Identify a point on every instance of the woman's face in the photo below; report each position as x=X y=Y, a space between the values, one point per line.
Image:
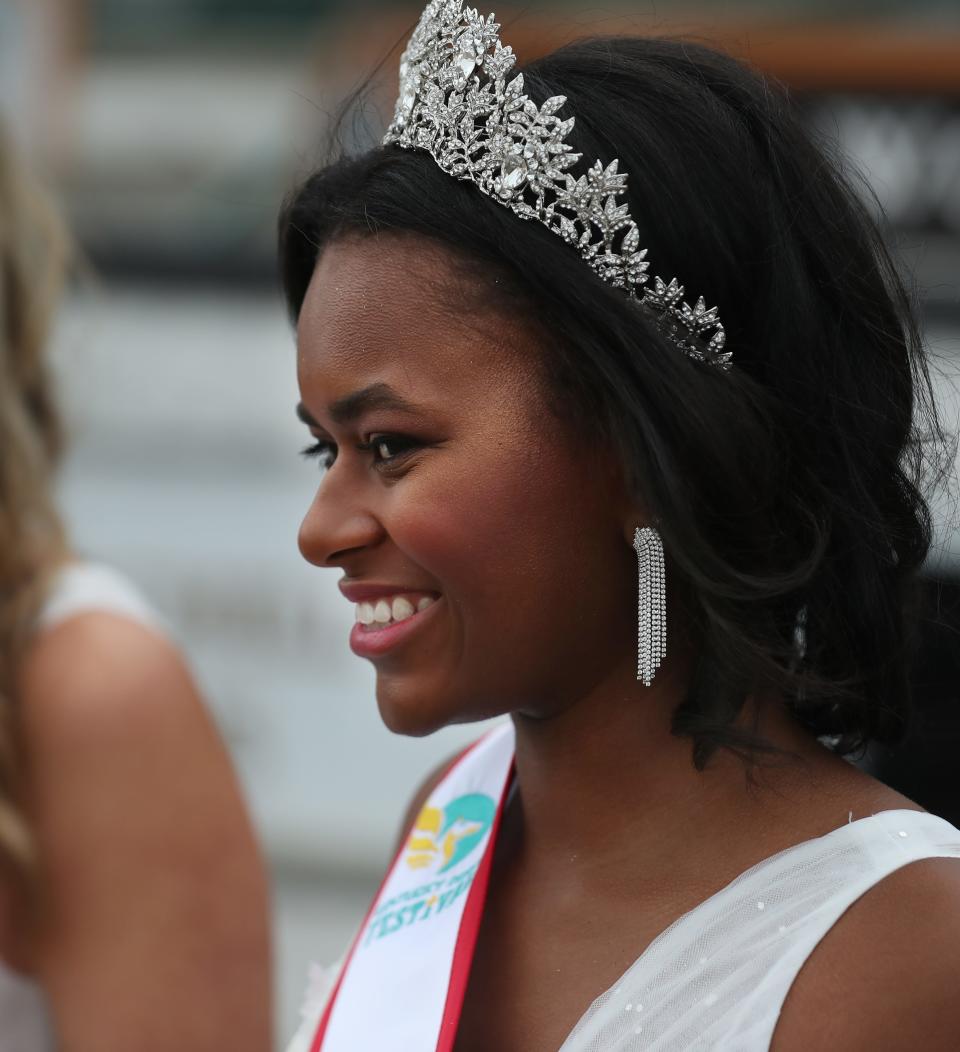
x=450 y=480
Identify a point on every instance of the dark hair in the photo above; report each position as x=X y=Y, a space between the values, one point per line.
x=789 y=483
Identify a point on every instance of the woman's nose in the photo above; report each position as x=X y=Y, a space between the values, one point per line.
x=333 y=528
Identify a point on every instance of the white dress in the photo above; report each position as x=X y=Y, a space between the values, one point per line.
x=718 y=976
x=25 y=1024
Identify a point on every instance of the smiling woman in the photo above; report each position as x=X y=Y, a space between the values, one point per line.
x=452 y=488
x=568 y=464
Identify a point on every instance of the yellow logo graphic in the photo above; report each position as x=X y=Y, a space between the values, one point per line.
x=445 y=836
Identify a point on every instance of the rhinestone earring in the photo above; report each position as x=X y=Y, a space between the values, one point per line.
x=651 y=605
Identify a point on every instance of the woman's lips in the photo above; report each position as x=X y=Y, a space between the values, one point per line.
x=373 y=640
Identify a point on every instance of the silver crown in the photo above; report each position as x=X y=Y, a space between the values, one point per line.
x=456 y=102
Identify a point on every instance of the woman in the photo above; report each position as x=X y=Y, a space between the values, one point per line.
x=133 y=907
x=524 y=430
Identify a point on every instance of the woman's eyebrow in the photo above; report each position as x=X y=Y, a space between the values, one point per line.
x=346 y=409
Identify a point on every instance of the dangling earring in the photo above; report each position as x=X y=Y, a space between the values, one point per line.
x=652 y=603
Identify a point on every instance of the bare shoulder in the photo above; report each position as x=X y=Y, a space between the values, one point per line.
x=119 y=749
x=145 y=848
x=885 y=976
x=92 y=667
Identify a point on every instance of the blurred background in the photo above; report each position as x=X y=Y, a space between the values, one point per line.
x=171 y=129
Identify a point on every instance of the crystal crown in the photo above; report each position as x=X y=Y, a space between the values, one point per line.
x=456 y=102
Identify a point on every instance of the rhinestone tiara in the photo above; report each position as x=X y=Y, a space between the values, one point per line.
x=455 y=102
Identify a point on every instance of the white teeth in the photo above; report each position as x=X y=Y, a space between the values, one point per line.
x=386 y=611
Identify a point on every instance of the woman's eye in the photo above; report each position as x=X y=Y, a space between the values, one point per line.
x=385 y=449
x=388 y=447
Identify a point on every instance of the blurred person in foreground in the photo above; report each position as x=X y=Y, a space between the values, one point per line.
x=133 y=900
x=676 y=546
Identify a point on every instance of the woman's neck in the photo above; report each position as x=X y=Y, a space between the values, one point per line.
x=605 y=783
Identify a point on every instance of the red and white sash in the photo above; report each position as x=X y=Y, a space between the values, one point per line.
x=402 y=986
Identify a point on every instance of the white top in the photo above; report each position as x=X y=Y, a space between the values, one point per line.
x=25 y=1024
x=85 y=587
x=718 y=976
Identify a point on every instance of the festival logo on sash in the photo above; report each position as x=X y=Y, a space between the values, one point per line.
x=441 y=839
x=447 y=835
x=402 y=986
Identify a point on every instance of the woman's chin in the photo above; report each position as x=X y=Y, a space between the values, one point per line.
x=410 y=715
x=418 y=705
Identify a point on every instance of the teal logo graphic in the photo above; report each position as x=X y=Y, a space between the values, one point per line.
x=440 y=840
x=447 y=836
